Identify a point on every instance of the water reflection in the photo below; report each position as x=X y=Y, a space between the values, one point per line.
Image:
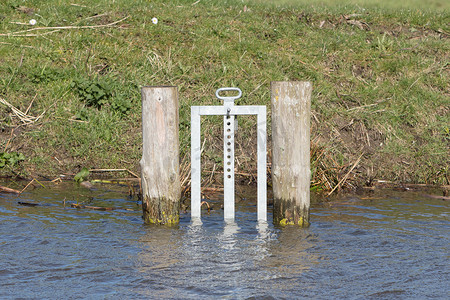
x=227 y=240
x=262 y=240
x=157 y=262
x=289 y=258
x=160 y=249
x=224 y=259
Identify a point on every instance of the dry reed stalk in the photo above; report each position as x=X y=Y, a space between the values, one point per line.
x=26 y=119
x=236 y=173
x=31 y=103
x=125 y=180
x=91 y=207
x=8 y=190
x=185 y=171
x=212 y=173
x=207 y=205
x=39 y=182
x=29 y=183
x=22 y=46
x=327 y=169
x=114 y=170
x=346 y=175
x=9 y=140
x=21 y=33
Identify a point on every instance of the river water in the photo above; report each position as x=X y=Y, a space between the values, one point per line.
x=390 y=245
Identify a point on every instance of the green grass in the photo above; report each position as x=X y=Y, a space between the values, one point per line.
x=385 y=5
x=380 y=75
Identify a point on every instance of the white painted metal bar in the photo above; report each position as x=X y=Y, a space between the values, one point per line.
x=236 y=110
x=228 y=111
x=262 y=159
x=228 y=161
x=195 y=163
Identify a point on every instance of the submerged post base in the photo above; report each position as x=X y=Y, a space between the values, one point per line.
x=160 y=211
x=286 y=212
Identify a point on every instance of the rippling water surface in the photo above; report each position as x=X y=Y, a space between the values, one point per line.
x=393 y=245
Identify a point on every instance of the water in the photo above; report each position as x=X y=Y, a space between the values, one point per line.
x=387 y=246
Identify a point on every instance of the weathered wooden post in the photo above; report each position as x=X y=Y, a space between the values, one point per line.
x=161 y=189
x=291 y=105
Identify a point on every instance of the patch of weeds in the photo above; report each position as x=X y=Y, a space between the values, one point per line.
x=10 y=159
x=82 y=114
x=120 y=104
x=46 y=75
x=384 y=43
x=98 y=93
x=407 y=114
x=81 y=176
x=92 y=92
x=446 y=134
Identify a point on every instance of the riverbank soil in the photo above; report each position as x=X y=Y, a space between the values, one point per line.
x=70 y=84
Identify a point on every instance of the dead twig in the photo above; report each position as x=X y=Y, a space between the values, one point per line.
x=114 y=170
x=212 y=173
x=31 y=103
x=78 y=5
x=81 y=206
x=31 y=35
x=9 y=140
x=29 y=183
x=346 y=175
x=125 y=180
x=212 y=189
x=39 y=182
x=57 y=180
x=8 y=190
x=207 y=205
x=91 y=207
x=236 y=173
x=23 y=46
x=90 y=18
x=57 y=28
x=25 y=118
x=185 y=171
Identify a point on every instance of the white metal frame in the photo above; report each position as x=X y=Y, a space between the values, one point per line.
x=228 y=111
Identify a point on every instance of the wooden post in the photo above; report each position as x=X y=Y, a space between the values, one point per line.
x=291 y=106
x=161 y=189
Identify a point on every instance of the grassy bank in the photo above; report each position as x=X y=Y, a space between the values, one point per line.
x=380 y=76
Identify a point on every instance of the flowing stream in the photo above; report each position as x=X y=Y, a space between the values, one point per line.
x=389 y=245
